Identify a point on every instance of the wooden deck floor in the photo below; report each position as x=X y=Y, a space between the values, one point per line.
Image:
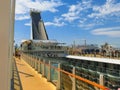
x=30 y=79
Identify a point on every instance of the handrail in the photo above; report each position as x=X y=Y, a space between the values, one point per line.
x=76 y=76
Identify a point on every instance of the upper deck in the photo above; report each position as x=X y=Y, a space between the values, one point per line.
x=96 y=59
x=47 y=48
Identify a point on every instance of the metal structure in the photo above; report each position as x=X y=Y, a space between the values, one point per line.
x=64 y=76
x=38 y=28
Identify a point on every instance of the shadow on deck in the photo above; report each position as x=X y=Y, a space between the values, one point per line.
x=16 y=82
x=26 y=78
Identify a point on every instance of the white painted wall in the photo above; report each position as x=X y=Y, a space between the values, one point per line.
x=6 y=38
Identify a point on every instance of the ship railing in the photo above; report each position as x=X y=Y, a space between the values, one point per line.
x=114 y=72
x=94 y=55
x=112 y=82
x=36 y=63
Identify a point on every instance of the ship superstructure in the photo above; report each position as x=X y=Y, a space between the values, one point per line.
x=46 y=48
x=38 y=28
x=102 y=71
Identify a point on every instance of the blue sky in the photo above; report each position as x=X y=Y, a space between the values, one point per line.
x=96 y=21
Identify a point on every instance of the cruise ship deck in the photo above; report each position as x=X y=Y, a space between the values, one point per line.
x=29 y=79
x=48 y=64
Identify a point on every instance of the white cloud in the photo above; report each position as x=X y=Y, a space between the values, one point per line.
x=82 y=20
x=22 y=17
x=109 y=8
x=72 y=14
x=84 y=23
x=56 y=22
x=112 y=32
x=74 y=11
x=87 y=26
x=23 y=6
x=27 y=24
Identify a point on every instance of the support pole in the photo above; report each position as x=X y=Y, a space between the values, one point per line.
x=101 y=79
x=36 y=63
x=43 y=68
x=49 y=72
x=73 y=80
x=59 y=79
x=39 y=65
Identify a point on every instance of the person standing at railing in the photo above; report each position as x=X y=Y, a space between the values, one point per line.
x=17 y=54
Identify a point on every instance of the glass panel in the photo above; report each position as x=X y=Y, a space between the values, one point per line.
x=54 y=73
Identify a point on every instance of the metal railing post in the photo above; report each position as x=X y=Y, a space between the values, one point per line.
x=73 y=80
x=59 y=78
x=39 y=65
x=35 y=62
x=30 y=60
x=101 y=80
x=49 y=72
x=43 y=68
